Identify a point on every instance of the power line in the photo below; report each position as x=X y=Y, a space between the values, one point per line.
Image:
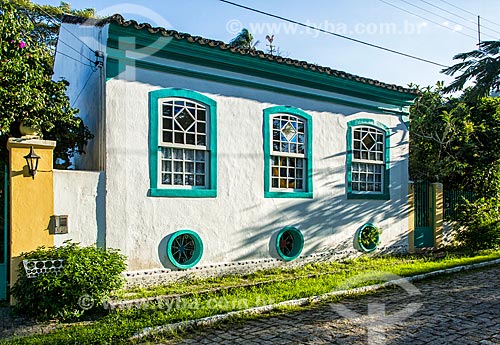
x=56 y=21
x=469 y=12
x=440 y=16
x=74 y=59
x=424 y=18
x=333 y=33
x=457 y=15
x=83 y=88
x=66 y=44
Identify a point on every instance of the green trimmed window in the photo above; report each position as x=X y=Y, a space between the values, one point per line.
x=288 y=153
x=182 y=144
x=367 y=160
x=184 y=249
x=289 y=243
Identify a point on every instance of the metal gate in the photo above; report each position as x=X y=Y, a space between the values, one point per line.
x=424 y=215
x=4 y=248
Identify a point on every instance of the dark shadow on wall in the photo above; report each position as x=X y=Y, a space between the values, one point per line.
x=261 y=96
x=100 y=202
x=323 y=217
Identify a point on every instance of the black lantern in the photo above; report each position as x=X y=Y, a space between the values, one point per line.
x=32 y=161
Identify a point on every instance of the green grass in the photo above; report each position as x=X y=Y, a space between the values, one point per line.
x=275 y=286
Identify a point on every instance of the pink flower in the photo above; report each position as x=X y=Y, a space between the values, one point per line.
x=22 y=44
x=11 y=41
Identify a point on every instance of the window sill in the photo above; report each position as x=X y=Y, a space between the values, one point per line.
x=355 y=196
x=183 y=193
x=298 y=195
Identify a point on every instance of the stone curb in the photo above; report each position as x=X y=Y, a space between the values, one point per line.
x=210 y=320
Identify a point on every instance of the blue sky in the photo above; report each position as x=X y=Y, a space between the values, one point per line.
x=438 y=36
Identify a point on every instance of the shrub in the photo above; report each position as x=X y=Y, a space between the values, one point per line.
x=88 y=275
x=478 y=224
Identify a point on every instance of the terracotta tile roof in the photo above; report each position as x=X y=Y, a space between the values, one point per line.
x=118 y=19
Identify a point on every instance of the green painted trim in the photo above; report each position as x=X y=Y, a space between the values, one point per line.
x=198 y=253
x=375 y=196
x=132 y=39
x=254 y=85
x=297 y=238
x=297 y=195
x=113 y=67
x=154 y=149
x=374 y=245
x=268 y=113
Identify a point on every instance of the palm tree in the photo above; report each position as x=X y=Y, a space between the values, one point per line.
x=244 y=40
x=481 y=65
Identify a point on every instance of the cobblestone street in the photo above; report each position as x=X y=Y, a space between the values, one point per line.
x=456 y=309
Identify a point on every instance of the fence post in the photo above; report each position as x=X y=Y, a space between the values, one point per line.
x=411 y=217
x=438 y=209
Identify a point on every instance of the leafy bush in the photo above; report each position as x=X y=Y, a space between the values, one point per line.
x=478 y=225
x=88 y=275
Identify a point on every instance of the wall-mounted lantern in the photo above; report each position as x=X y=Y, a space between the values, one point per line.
x=32 y=161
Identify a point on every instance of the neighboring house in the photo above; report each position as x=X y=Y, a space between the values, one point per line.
x=205 y=154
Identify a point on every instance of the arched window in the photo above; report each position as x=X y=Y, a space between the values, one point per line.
x=288 y=153
x=183 y=144
x=367 y=160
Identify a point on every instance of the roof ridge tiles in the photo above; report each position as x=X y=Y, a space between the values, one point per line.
x=119 y=19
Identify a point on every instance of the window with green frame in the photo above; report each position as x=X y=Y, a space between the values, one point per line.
x=367 y=160
x=183 y=144
x=287 y=153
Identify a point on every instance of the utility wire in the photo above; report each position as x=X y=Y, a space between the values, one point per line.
x=430 y=20
x=66 y=44
x=333 y=33
x=83 y=88
x=469 y=12
x=440 y=16
x=72 y=58
x=457 y=15
x=56 y=21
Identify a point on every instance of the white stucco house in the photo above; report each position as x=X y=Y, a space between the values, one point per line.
x=206 y=155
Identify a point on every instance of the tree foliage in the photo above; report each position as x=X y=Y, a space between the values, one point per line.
x=46 y=19
x=452 y=139
x=455 y=141
x=244 y=40
x=481 y=65
x=27 y=92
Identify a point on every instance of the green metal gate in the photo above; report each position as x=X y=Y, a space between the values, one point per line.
x=4 y=248
x=424 y=215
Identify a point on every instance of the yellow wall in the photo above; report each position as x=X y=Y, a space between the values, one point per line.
x=32 y=200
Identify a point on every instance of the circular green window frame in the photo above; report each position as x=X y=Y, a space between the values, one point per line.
x=184 y=249
x=373 y=244
x=289 y=243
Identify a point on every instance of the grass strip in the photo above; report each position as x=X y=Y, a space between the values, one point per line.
x=117 y=328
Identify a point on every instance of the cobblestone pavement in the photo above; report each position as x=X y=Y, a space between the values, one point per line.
x=457 y=309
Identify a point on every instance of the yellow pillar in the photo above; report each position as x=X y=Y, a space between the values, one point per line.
x=438 y=204
x=32 y=199
x=411 y=218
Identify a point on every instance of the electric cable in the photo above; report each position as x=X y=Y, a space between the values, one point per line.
x=459 y=16
x=442 y=17
x=334 y=34
x=421 y=17
x=469 y=12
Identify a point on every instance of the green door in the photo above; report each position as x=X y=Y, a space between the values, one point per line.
x=424 y=232
x=3 y=234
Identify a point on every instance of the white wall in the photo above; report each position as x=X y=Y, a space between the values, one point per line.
x=81 y=196
x=239 y=223
x=74 y=63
